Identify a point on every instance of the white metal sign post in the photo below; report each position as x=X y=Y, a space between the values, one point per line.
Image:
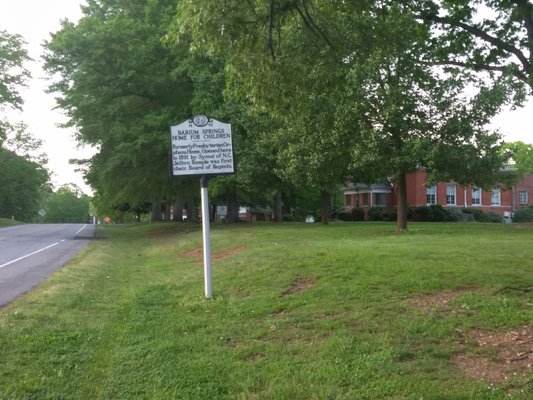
x=202 y=146
x=208 y=285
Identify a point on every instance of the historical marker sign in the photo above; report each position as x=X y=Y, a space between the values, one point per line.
x=202 y=146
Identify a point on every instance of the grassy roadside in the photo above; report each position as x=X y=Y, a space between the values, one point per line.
x=300 y=312
x=8 y=222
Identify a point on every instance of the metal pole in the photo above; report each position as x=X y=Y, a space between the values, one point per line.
x=206 y=237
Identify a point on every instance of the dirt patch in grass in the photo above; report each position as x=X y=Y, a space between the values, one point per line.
x=498 y=357
x=440 y=302
x=299 y=285
x=504 y=357
x=199 y=252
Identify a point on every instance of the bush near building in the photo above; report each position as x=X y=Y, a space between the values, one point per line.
x=523 y=215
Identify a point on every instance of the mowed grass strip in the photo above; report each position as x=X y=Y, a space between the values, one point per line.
x=300 y=312
x=8 y=222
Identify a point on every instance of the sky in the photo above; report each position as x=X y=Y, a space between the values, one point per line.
x=34 y=20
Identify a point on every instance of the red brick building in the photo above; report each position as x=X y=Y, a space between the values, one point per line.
x=500 y=200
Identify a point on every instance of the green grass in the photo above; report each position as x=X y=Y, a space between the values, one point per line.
x=8 y=222
x=300 y=312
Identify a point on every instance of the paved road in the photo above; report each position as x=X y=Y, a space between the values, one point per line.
x=30 y=253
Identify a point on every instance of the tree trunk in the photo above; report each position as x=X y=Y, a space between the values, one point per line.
x=278 y=208
x=167 y=211
x=401 y=221
x=192 y=215
x=233 y=207
x=325 y=206
x=213 y=212
x=178 y=208
x=156 y=211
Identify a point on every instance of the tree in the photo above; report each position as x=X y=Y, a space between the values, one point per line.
x=120 y=86
x=296 y=82
x=484 y=35
x=522 y=156
x=13 y=74
x=67 y=205
x=408 y=114
x=23 y=176
x=23 y=183
x=392 y=108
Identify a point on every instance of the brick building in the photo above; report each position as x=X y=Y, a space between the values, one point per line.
x=500 y=200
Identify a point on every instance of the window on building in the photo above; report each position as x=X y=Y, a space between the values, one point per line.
x=522 y=197
x=347 y=200
x=365 y=199
x=476 y=196
x=450 y=195
x=431 y=195
x=495 y=198
x=379 y=200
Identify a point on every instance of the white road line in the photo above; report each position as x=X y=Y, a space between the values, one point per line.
x=82 y=228
x=31 y=254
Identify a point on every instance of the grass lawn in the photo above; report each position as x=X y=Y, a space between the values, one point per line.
x=8 y=222
x=344 y=311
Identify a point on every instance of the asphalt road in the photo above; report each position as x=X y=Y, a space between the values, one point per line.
x=30 y=253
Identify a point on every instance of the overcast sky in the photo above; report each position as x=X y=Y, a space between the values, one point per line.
x=35 y=19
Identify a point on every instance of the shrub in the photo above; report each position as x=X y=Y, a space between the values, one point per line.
x=437 y=213
x=390 y=215
x=494 y=217
x=357 y=214
x=375 y=214
x=343 y=216
x=290 y=218
x=523 y=215
x=479 y=215
x=454 y=214
x=420 y=214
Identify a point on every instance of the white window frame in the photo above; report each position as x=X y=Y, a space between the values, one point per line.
x=379 y=196
x=496 y=196
x=451 y=195
x=431 y=195
x=477 y=200
x=523 y=198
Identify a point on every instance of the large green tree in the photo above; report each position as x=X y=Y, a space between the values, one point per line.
x=23 y=176
x=273 y=64
x=13 y=76
x=121 y=89
x=392 y=108
x=410 y=114
x=22 y=184
x=494 y=36
x=522 y=156
x=67 y=205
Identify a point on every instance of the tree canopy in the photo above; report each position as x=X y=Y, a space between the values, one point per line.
x=13 y=76
x=121 y=88
x=67 y=205
x=484 y=35
x=23 y=175
x=361 y=80
x=522 y=156
x=23 y=184
x=317 y=91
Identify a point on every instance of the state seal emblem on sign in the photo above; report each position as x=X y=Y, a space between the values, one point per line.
x=200 y=120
